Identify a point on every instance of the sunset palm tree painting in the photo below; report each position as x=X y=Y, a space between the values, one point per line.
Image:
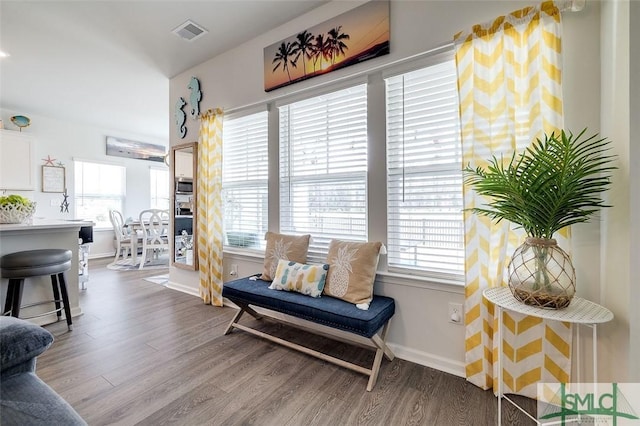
x=355 y=36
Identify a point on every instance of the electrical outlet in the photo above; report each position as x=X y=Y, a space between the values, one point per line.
x=234 y=270
x=54 y=203
x=456 y=314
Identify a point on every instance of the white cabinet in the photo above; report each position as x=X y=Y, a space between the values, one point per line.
x=184 y=164
x=16 y=161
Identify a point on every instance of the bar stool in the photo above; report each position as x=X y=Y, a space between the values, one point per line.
x=34 y=263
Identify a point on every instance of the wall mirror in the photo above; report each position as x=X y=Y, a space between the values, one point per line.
x=184 y=171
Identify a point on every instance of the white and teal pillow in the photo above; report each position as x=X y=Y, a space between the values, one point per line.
x=305 y=279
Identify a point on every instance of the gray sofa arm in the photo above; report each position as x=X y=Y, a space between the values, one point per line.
x=20 y=343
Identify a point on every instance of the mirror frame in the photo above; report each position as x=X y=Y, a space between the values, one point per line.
x=172 y=203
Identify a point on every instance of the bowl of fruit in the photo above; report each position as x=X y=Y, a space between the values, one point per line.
x=16 y=209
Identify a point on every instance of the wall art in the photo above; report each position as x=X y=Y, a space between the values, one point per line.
x=195 y=97
x=132 y=149
x=348 y=39
x=181 y=117
x=53 y=179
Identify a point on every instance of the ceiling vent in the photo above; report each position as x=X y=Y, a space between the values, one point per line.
x=189 y=31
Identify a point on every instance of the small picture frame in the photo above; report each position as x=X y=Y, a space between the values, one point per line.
x=53 y=179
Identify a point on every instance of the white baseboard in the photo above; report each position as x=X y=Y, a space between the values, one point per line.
x=101 y=255
x=183 y=288
x=447 y=365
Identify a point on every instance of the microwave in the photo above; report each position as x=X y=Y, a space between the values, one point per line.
x=184 y=186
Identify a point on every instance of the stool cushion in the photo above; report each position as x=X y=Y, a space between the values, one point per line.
x=33 y=263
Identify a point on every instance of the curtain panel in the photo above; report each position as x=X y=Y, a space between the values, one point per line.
x=209 y=207
x=510 y=88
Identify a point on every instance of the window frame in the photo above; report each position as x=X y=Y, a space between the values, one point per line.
x=120 y=198
x=456 y=278
x=318 y=247
x=256 y=239
x=153 y=191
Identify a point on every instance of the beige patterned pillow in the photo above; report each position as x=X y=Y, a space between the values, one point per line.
x=281 y=246
x=352 y=271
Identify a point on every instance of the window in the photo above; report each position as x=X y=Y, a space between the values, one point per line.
x=323 y=168
x=424 y=178
x=245 y=171
x=159 y=188
x=98 y=188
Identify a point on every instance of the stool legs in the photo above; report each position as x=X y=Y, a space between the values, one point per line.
x=13 y=301
x=8 y=302
x=14 y=293
x=65 y=300
x=56 y=296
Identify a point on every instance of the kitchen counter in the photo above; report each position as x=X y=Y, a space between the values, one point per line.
x=39 y=224
x=43 y=233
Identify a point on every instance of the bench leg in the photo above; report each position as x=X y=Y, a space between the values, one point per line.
x=243 y=308
x=378 y=341
x=383 y=349
x=246 y=308
x=234 y=320
x=381 y=343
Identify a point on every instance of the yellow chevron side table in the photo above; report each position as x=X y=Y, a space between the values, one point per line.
x=579 y=312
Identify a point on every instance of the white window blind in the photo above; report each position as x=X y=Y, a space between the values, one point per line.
x=98 y=188
x=159 y=188
x=245 y=170
x=424 y=161
x=323 y=168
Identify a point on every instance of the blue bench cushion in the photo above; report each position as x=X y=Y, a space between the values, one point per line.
x=323 y=310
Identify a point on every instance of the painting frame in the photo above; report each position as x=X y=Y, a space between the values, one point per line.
x=120 y=147
x=353 y=37
x=53 y=179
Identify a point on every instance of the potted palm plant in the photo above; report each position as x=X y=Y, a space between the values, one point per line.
x=554 y=183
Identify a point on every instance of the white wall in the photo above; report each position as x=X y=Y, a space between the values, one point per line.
x=634 y=179
x=420 y=331
x=64 y=141
x=617 y=267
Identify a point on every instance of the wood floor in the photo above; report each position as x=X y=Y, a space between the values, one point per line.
x=144 y=354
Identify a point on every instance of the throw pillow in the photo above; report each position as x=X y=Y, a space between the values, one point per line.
x=20 y=342
x=287 y=247
x=301 y=278
x=352 y=271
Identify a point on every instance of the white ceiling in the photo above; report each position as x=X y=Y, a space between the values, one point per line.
x=108 y=63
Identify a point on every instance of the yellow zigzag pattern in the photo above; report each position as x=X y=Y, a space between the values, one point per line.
x=509 y=80
x=210 y=207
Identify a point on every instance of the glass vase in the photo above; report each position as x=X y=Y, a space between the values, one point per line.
x=541 y=274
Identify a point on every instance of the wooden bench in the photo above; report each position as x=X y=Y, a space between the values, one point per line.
x=324 y=315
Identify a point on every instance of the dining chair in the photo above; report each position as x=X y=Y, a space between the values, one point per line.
x=127 y=243
x=155 y=230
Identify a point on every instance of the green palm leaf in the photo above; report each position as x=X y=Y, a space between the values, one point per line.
x=553 y=183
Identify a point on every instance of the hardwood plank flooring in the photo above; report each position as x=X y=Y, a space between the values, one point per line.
x=144 y=354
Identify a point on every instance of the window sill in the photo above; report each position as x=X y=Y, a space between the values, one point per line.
x=248 y=254
x=431 y=283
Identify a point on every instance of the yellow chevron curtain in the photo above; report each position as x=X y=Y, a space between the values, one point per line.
x=509 y=81
x=210 y=206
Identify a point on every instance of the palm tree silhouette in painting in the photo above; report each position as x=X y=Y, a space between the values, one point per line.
x=336 y=42
x=303 y=47
x=283 y=57
x=319 y=50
